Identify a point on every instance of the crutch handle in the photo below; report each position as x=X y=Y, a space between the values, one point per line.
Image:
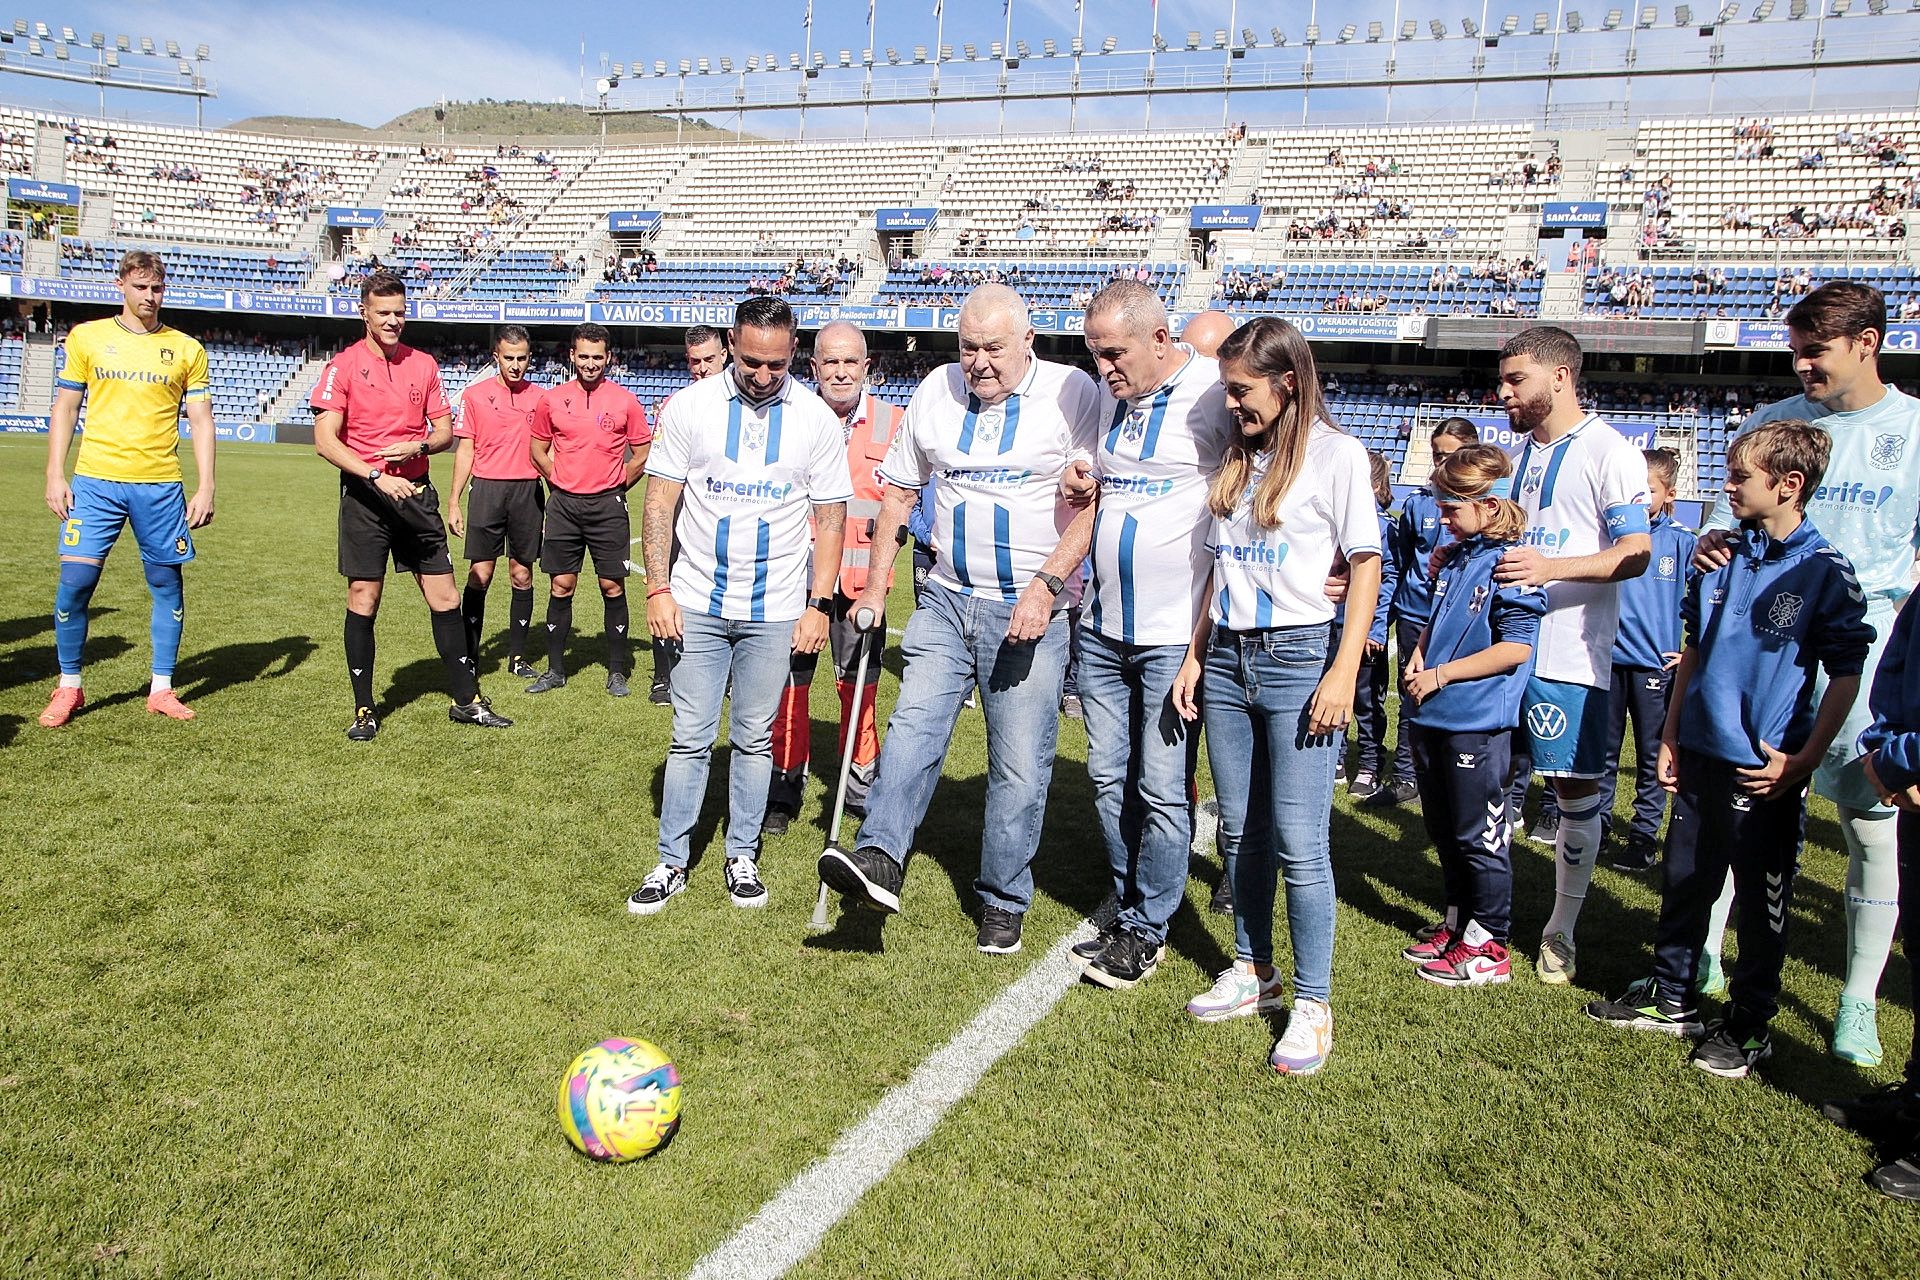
x=863 y=619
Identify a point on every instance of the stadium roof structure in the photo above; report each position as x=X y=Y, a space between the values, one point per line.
x=1546 y=48
x=142 y=64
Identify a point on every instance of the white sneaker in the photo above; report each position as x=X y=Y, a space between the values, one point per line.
x=661 y=884
x=1308 y=1040
x=743 y=883
x=1239 y=993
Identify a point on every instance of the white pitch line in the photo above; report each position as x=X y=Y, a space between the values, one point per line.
x=791 y=1225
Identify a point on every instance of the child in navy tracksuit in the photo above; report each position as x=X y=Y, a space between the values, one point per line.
x=1370 y=689
x=1741 y=739
x=1892 y=747
x=1416 y=534
x=1467 y=676
x=1645 y=650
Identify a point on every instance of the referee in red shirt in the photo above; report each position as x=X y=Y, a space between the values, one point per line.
x=379 y=411
x=507 y=502
x=583 y=430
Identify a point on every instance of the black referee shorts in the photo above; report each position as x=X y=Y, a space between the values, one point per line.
x=581 y=522
x=374 y=527
x=505 y=514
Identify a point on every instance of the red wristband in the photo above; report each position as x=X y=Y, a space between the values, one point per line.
x=658 y=591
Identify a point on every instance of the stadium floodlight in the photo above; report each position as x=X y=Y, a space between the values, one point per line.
x=1797 y=10
x=1682 y=15
x=1612 y=21
x=1248 y=38
x=67 y=36
x=1193 y=40
x=893 y=56
x=945 y=53
x=866 y=57
x=686 y=66
x=1409 y=29
x=173 y=50
x=1541 y=22
x=33 y=47
x=120 y=43
x=60 y=53
x=753 y=62
x=1762 y=13
x=1346 y=33
x=819 y=59
x=1509 y=24
x=146 y=45
x=1022 y=48
x=1876 y=7
x=1728 y=12
x=185 y=67
x=1279 y=38
x=970 y=50
x=201 y=53
x=1840 y=8
x=1374 y=33
x=1648 y=16
x=97 y=39
x=1220 y=35
x=704 y=67
x=1049 y=49
x=1469 y=27
x=1313 y=33
x=919 y=53
x=1076 y=46
x=846 y=57
x=618 y=71
x=793 y=61
x=1110 y=44
x=660 y=66
x=42 y=30
x=1574 y=21
x=997 y=50
x=726 y=66
x=1159 y=44
x=112 y=57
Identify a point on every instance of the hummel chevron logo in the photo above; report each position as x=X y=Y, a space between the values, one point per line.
x=359 y=671
x=621 y=628
x=1777 y=903
x=179 y=615
x=60 y=615
x=551 y=626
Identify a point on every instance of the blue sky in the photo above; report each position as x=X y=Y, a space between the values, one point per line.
x=367 y=62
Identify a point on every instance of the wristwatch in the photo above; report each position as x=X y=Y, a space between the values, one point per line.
x=374 y=474
x=823 y=603
x=1051 y=582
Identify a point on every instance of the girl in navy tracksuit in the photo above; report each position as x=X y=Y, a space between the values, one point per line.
x=1370 y=690
x=1468 y=674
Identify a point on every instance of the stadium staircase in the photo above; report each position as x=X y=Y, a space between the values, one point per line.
x=36 y=374
x=678 y=237
x=1243 y=172
x=1560 y=295
x=50 y=153
x=291 y=400
x=595 y=247
x=40 y=258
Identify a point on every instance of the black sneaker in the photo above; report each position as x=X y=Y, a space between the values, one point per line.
x=1899 y=1179
x=999 y=932
x=1363 y=788
x=778 y=818
x=365 y=725
x=478 y=712
x=520 y=669
x=1393 y=793
x=1640 y=1008
x=1106 y=913
x=617 y=684
x=660 y=693
x=1637 y=855
x=661 y=884
x=1545 y=831
x=1889 y=1114
x=866 y=876
x=1092 y=947
x=549 y=682
x=743 y=883
x=1221 y=904
x=1070 y=706
x=1732 y=1054
x=1128 y=962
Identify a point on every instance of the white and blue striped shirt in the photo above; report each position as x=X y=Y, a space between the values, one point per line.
x=997 y=510
x=752 y=474
x=1156 y=460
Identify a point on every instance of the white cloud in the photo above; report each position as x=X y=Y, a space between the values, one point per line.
x=360 y=64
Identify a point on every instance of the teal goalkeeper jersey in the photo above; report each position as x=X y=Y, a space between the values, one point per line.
x=1868 y=504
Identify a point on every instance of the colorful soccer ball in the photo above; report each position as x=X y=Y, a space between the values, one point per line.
x=620 y=1100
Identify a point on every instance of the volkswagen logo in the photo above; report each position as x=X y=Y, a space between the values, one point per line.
x=1546 y=721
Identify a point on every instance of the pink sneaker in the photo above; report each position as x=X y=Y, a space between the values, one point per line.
x=167 y=703
x=1467 y=966
x=61 y=706
x=1432 y=949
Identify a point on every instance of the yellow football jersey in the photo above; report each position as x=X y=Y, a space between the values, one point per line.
x=135 y=384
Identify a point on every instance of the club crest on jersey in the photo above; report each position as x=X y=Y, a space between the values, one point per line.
x=1479 y=599
x=991 y=420
x=1784 y=610
x=1887 y=451
x=756 y=433
x=606 y=422
x=414 y=395
x=1667 y=566
x=1134 y=429
x=1534 y=476
x=180 y=546
x=166 y=355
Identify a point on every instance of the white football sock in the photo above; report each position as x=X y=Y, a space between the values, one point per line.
x=1717 y=919
x=1574 y=849
x=1873 y=898
x=160 y=683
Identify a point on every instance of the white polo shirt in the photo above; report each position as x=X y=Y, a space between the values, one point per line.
x=1580 y=493
x=997 y=511
x=1156 y=461
x=1277 y=577
x=753 y=473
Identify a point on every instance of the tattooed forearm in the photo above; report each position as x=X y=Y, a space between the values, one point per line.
x=656 y=529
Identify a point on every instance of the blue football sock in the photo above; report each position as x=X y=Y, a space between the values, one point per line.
x=169 y=613
x=77 y=581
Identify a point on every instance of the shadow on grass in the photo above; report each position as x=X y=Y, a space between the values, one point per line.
x=10 y=729
x=201 y=675
x=712 y=809
x=41 y=662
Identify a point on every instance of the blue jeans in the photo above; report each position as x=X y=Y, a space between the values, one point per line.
x=1137 y=757
x=953 y=642
x=755 y=655
x=1275 y=789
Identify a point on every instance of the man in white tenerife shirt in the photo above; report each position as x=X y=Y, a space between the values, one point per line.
x=1866 y=507
x=998 y=429
x=746 y=456
x=1165 y=423
x=1584 y=491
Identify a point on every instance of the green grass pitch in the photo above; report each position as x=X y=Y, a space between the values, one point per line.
x=275 y=1004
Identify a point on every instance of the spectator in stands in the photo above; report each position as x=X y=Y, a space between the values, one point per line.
x=993 y=612
x=379 y=412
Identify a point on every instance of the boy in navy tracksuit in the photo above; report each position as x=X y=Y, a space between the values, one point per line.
x=1370 y=688
x=1468 y=675
x=1891 y=1115
x=1416 y=534
x=1741 y=739
x=1645 y=651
